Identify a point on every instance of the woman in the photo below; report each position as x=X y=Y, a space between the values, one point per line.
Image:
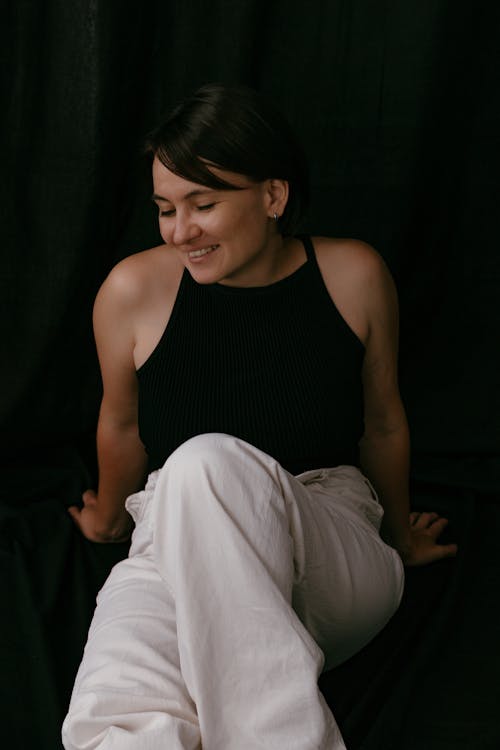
x=252 y=374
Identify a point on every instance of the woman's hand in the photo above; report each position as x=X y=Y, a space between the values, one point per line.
x=423 y=547
x=91 y=525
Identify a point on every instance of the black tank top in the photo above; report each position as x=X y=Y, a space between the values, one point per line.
x=277 y=366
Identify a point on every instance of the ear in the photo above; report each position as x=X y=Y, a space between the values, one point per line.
x=277 y=192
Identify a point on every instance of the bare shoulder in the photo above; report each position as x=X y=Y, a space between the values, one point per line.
x=355 y=258
x=139 y=277
x=357 y=279
x=135 y=302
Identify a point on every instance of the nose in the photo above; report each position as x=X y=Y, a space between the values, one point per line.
x=186 y=228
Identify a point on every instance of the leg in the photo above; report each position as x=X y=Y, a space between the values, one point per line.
x=236 y=540
x=353 y=582
x=229 y=542
x=129 y=693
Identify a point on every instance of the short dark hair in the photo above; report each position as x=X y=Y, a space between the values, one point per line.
x=235 y=129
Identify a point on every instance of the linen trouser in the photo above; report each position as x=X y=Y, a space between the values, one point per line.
x=242 y=583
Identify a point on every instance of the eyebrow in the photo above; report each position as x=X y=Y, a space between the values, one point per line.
x=197 y=191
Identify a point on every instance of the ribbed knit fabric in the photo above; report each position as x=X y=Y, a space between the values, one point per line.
x=277 y=366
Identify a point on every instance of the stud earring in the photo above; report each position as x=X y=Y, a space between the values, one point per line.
x=275 y=216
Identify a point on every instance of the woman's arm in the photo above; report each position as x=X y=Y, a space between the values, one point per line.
x=385 y=446
x=121 y=456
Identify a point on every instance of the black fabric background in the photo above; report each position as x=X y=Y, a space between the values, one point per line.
x=397 y=104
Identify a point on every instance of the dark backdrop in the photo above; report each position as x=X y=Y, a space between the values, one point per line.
x=397 y=104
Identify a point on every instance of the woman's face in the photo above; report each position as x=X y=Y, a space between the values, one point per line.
x=225 y=236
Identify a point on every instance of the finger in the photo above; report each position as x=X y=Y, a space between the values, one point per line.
x=75 y=513
x=435 y=554
x=424 y=520
x=436 y=528
x=445 y=550
x=414 y=516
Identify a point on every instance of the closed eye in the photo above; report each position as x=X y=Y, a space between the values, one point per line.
x=171 y=211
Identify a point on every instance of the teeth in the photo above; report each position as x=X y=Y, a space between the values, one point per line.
x=203 y=251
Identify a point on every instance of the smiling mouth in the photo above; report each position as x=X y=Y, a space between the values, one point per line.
x=202 y=251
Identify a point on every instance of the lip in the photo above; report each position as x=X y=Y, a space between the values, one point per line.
x=200 y=258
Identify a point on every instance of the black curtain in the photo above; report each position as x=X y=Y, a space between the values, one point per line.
x=397 y=104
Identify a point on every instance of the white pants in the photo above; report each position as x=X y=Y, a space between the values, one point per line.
x=242 y=582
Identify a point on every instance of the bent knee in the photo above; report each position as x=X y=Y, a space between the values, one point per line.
x=199 y=445
x=218 y=465
x=211 y=449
